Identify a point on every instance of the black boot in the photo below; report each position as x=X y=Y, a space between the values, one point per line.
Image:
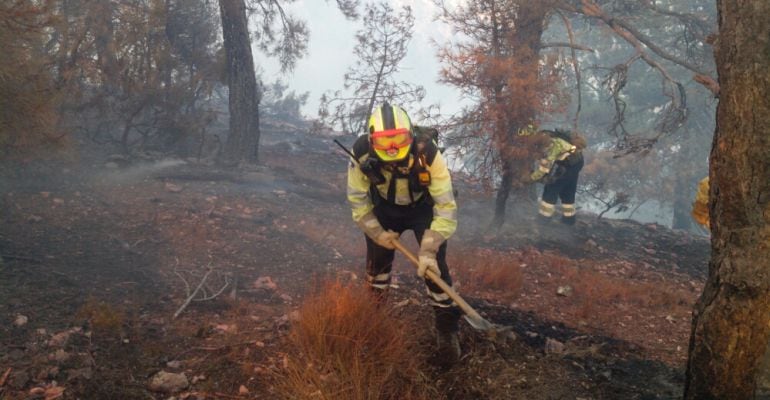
x=568 y=220
x=542 y=219
x=447 y=326
x=448 y=352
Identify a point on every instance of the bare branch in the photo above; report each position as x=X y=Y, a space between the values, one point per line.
x=193 y=294
x=573 y=46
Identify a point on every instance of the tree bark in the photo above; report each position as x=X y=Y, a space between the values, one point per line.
x=528 y=35
x=502 y=194
x=730 y=326
x=243 y=138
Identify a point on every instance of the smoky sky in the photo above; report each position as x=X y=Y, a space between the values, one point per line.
x=330 y=52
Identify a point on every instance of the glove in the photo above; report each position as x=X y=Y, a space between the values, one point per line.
x=386 y=238
x=431 y=241
x=428 y=262
x=372 y=228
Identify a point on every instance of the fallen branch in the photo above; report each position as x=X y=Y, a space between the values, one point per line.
x=195 y=292
x=203 y=291
x=214 y=295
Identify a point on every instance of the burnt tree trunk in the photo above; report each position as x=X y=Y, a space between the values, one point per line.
x=526 y=44
x=243 y=138
x=730 y=324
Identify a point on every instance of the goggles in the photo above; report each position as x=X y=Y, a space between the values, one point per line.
x=391 y=139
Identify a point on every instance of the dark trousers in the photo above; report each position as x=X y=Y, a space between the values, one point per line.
x=379 y=260
x=564 y=187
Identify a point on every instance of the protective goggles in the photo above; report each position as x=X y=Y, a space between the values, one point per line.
x=391 y=139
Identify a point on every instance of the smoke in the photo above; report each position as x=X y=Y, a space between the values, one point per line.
x=137 y=172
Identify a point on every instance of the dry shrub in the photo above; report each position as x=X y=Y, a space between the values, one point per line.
x=104 y=319
x=345 y=346
x=595 y=290
x=486 y=270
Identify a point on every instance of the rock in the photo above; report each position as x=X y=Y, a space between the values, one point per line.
x=565 y=291
x=173 y=188
x=168 y=382
x=59 y=339
x=59 y=356
x=553 y=346
x=21 y=320
x=265 y=282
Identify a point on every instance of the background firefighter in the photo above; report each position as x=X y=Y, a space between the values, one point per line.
x=400 y=181
x=559 y=170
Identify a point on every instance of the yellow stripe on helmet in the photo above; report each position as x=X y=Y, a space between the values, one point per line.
x=378 y=121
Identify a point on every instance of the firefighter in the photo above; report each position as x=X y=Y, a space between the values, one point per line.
x=558 y=170
x=398 y=181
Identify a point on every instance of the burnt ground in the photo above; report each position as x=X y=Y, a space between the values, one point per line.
x=96 y=261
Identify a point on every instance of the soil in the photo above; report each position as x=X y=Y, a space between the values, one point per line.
x=98 y=258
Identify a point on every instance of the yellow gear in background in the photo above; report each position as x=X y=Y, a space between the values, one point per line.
x=700 y=208
x=528 y=130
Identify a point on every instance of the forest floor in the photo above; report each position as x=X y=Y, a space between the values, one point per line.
x=98 y=258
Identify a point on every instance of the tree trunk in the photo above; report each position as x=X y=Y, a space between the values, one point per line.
x=502 y=194
x=243 y=138
x=730 y=324
x=528 y=36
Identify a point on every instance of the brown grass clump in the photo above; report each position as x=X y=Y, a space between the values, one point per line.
x=484 y=271
x=104 y=319
x=347 y=347
x=595 y=290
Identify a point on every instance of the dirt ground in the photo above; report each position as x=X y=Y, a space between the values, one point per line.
x=98 y=256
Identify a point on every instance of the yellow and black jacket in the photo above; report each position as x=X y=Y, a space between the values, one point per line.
x=402 y=185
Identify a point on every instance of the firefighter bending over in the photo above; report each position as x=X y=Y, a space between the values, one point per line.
x=400 y=181
x=558 y=170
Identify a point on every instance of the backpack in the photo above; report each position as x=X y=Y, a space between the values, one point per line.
x=559 y=133
x=565 y=135
x=425 y=133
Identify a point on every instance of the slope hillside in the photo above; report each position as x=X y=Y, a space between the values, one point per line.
x=101 y=261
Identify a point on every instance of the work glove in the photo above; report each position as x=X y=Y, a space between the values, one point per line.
x=386 y=238
x=372 y=228
x=428 y=262
x=431 y=241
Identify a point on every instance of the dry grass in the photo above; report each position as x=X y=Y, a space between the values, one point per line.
x=104 y=319
x=483 y=271
x=595 y=291
x=345 y=346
